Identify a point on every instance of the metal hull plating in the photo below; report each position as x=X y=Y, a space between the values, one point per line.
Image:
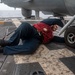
x=62 y=7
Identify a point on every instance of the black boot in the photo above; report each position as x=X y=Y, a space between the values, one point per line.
x=4 y=43
x=1 y=49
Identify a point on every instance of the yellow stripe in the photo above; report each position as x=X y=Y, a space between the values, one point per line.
x=1 y=22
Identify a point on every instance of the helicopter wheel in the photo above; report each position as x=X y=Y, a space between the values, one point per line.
x=70 y=36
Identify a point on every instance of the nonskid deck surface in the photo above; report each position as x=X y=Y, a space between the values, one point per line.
x=54 y=58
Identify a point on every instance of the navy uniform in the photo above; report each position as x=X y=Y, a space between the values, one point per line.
x=30 y=37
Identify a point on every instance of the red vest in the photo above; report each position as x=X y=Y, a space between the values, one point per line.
x=45 y=30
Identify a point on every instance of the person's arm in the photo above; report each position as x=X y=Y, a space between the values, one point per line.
x=53 y=22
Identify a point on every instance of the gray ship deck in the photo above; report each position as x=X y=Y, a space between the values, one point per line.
x=54 y=58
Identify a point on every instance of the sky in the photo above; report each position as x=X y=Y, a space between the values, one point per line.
x=5 y=7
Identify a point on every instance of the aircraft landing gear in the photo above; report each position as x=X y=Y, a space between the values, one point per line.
x=69 y=33
x=70 y=36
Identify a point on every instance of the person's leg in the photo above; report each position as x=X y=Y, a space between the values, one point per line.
x=20 y=33
x=28 y=47
x=58 y=39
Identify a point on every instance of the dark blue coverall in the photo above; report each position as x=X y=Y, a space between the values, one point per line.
x=30 y=38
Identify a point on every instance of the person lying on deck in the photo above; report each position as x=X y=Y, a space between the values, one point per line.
x=32 y=37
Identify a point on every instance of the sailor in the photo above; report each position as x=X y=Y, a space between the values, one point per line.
x=31 y=36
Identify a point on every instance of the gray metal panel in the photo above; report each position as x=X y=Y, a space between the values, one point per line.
x=2 y=59
x=8 y=67
x=29 y=69
x=70 y=5
x=13 y=3
x=69 y=62
x=37 y=4
x=65 y=7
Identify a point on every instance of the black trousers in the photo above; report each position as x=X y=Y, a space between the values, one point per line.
x=30 y=39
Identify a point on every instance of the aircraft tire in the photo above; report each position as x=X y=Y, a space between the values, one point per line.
x=70 y=36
